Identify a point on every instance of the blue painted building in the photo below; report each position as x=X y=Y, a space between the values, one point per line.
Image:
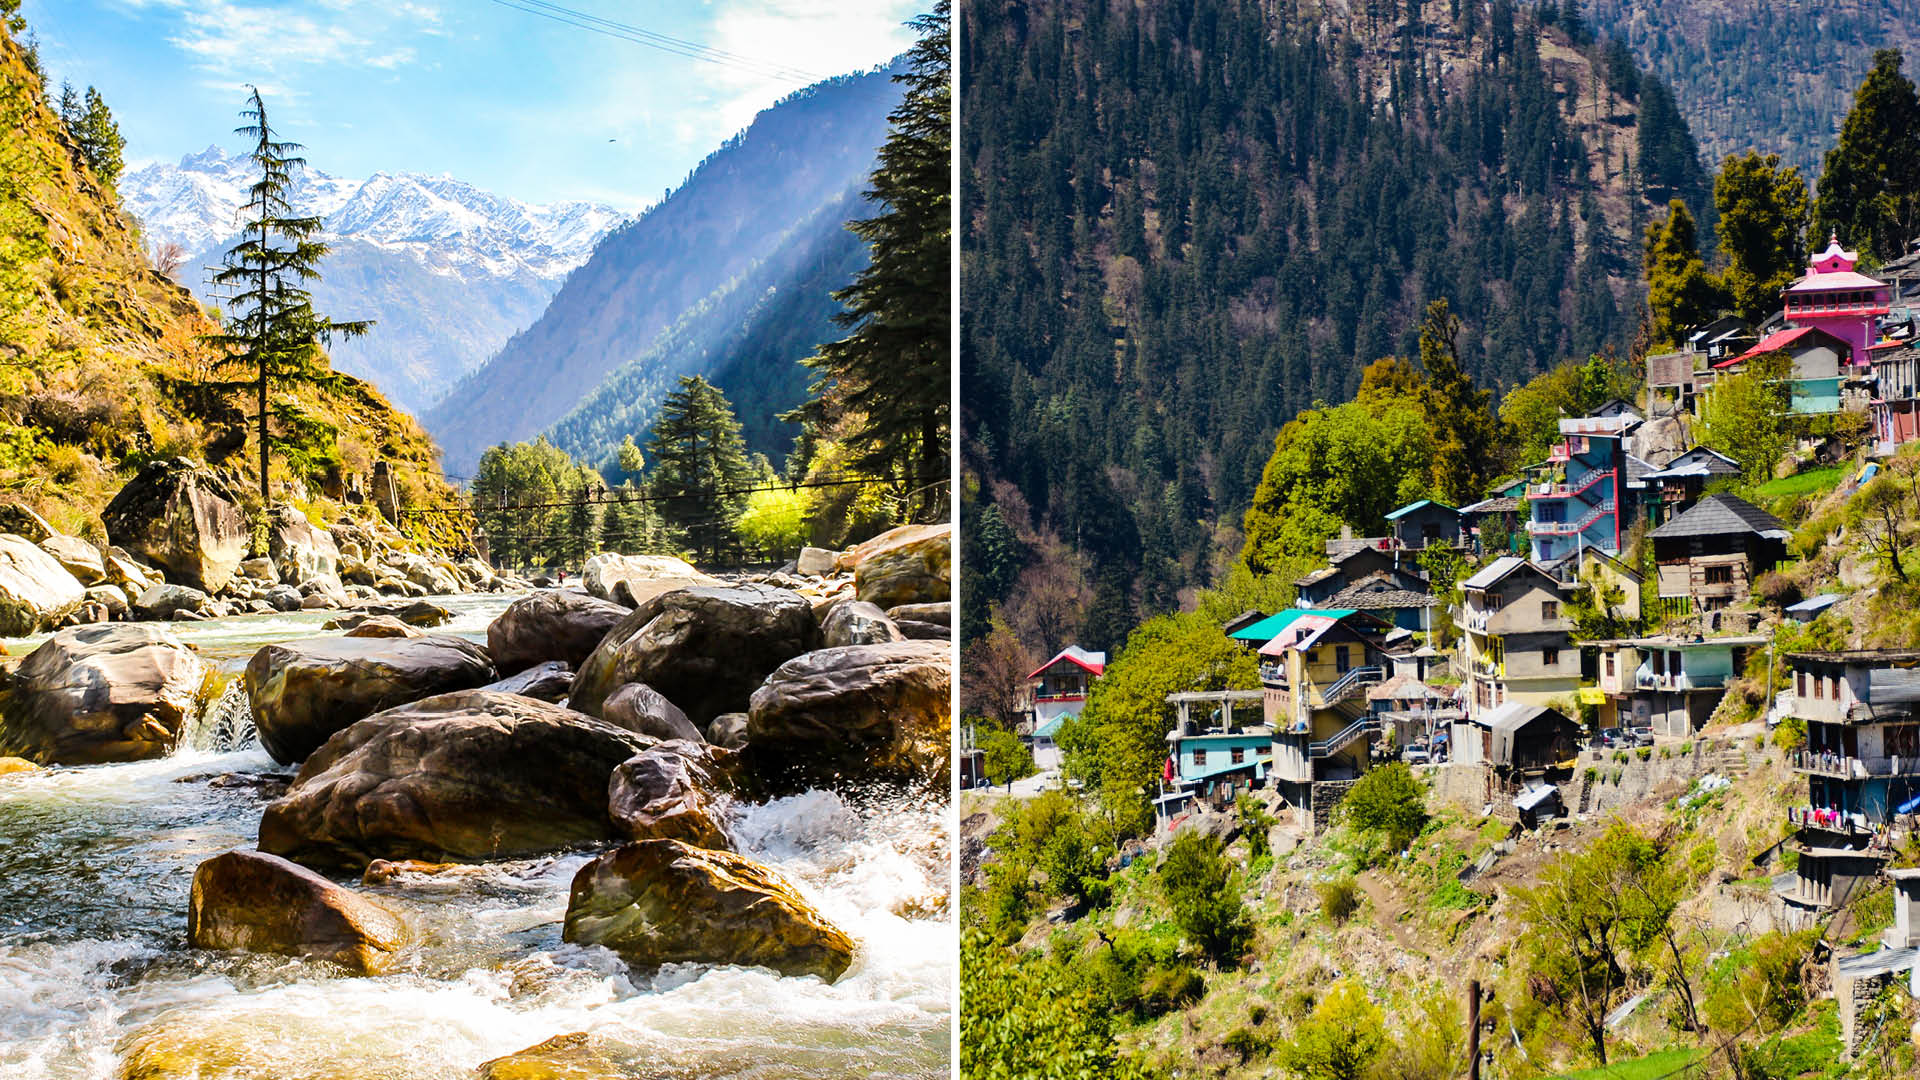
x=1587 y=491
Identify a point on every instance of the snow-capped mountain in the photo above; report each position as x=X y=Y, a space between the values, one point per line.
x=448 y=272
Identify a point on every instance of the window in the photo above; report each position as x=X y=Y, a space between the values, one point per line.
x=1199 y=755
x=1719 y=575
x=1341 y=661
x=1495 y=601
x=1800 y=684
x=1550 y=657
x=1239 y=754
x=1819 y=688
x=1610 y=665
x=1549 y=609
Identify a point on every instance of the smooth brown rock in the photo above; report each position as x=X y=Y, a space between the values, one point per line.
x=300 y=550
x=665 y=902
x=381 y=626
x=11 y=765
x=550 y=625
x=77 y=557
x=705 y=649
x=728 y=730
x=673 y=792
x=941 y=613
x=860 y=712
x=257 y=902
x=856 y=622
x=639 y=707
x=909 y=565
x=550 y=681
x=183 y=518
x=105 y=693
x=464 y=777
x=644 y=575
x=304 y=691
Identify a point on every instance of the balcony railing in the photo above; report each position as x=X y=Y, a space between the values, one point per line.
x=1828 y=820
x=1647 y=680
x=1568 y=491
x=1571 y=528
x=1273 y=673
x=1343 y=738
x=1845 y=767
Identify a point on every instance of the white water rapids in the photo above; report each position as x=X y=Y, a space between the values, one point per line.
x=96 y=863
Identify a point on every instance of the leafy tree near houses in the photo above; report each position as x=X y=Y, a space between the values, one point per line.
x=1763 y=221
x=1681 y=293
x=1876 y=514
x=1007 y=757
x=1390 y=801
x=1869 y=191
x=699 y=467
x=1746 y=415
x=1532 y=411
x=1203 y=894
x=994 y=674
x=884 y=388
x=272 y=330
x=1467 y=436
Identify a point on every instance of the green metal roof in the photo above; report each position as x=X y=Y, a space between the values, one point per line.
x=1052 y=727
x=1269 y=628
x=1411 y=507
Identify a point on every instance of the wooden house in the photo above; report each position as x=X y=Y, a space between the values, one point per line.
x=1712 y=552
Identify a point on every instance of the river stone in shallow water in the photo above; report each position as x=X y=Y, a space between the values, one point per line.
x=858 y=712
x=181 y=517
x=643 y=575
x=94 y=694
x=704 y=648
x=35 y=590
x=671 y=792
x=300 y=550
x=550 y=625
x=564 y=1057
x=379 y=626
x=464 y=777
x=639 y=707
x=256 y=902
x=11 y=765
x=664 y=902
x=304 y=691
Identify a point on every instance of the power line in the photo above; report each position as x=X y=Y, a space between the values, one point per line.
x=614 y=499
x=692 y=50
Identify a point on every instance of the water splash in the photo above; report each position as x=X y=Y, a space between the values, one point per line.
x=223 y=726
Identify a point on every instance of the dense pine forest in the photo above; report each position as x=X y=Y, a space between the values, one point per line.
x=1190 y=221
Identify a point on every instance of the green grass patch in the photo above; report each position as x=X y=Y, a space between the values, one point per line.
x=1656 y=1064
x=1811 y=482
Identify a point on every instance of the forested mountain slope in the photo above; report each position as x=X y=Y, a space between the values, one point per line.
x=102 y=366
x=1186 y=222
x=753 y=202
x=1770 y=77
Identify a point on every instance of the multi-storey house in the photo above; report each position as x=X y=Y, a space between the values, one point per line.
x=1515 y=637
x=1587 y=491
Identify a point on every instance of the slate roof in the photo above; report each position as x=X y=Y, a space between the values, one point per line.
x=1359 y=597
x=1699 y=461
x=1718 y=515
x=1499 y=504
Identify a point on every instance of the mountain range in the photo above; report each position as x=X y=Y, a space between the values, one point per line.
x=447 y=271
x=729 y=277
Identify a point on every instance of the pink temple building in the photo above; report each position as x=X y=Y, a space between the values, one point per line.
x=1835 y=298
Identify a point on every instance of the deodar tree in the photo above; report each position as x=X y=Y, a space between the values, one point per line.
x=1763 y=217
x=700 y=466
x=883 y=388
x=272 y=330
x=1870 y=185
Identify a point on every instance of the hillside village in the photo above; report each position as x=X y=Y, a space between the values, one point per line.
x=1632 y=630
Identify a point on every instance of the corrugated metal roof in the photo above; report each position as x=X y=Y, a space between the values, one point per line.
x=1491 y=574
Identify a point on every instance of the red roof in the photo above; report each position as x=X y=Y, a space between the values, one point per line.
x=1773 y=342
x=1069 y=654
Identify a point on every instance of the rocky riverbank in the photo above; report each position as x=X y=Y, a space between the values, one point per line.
x=635 y=725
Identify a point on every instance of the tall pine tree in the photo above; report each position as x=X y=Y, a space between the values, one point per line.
x=1870 y=186
x=1680 y=292
x=1467 y=436
x=272 y=329
x=884 y=387
x=1763 y=217
x=699 y=466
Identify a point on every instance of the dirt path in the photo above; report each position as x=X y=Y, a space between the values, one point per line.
x=1387 y=911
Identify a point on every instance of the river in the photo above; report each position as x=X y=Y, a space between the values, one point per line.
x=95 y=869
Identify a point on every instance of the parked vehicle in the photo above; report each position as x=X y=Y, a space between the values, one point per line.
x=1643 y=736
x=1611 y=738
x=1416 y=753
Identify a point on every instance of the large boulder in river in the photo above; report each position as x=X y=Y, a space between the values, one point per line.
x=664 y=902
x=300 y=549
x=262 y=903
x=78 y=557
x=673 y=792
x=553 y=624
x=36 y=592
x=856 y=622
x=162 y=601
x=912 y=564
x=93 y=694
x=862 y=711
x=466 y=777
x=639 y=707
x=183 y=518
x=705 y=648
x=303 y=691
x=630 y=579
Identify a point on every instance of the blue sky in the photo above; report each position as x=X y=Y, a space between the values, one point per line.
x=508 y=100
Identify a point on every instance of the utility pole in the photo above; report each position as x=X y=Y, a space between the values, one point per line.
x=1473 y=1029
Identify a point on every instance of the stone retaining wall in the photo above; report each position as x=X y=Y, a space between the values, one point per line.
x=1473 y=785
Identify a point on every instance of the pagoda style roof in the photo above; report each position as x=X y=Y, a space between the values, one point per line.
x=1838 y=279
x=1720 y=515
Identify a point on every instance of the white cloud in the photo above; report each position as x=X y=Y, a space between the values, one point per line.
x=245 y=40
x=823 y=39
